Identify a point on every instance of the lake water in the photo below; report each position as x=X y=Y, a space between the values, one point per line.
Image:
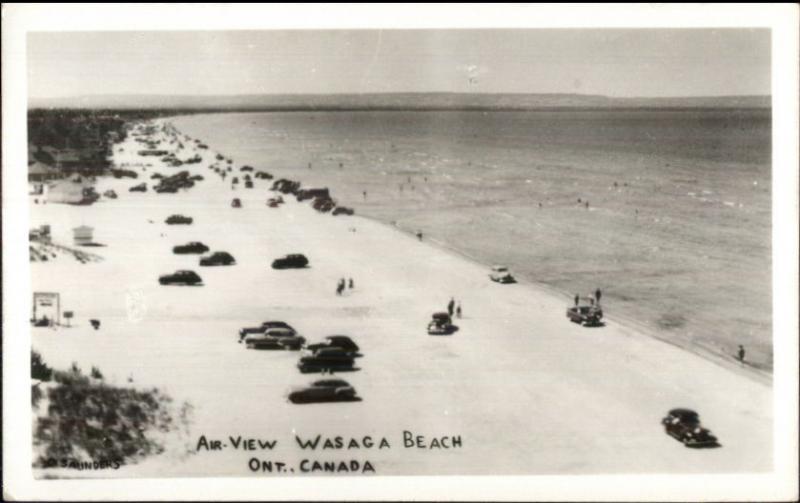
x=667 y=211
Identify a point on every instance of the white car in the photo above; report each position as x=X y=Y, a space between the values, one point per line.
x=500 y=274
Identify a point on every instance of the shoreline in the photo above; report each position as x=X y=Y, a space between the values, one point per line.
x=721 y=356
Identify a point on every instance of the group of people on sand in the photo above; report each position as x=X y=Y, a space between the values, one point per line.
x=344 y=284
x=592 y=300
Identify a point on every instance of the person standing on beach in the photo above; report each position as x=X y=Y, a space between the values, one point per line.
x=458 y=310
x=351 y=284
x=741 y=354
x=597 y=295
x=450 y=306
x=577 y=298
x=365 y=195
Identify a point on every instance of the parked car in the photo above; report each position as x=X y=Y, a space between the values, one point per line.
x=330 y=359
x=441 y=324
x=260 y=329
x=248 y=184
x=586 y=312
x=156 y=176
x=342 y=342
x=166 y=189
x=193 y=247
x=263 y=175
x=274 y=202
x=275 y=338
x=178 y=220
x=291 y=261
x=326 y=390
x=342 y=210
x=110 y=194
x=684 y=425
x=236 y=203
x=190 y=278
x=246 y=168
x=142 y=187
x=218 y=258
x=500 y=274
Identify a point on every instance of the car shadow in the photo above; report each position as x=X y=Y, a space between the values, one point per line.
x=599 y=324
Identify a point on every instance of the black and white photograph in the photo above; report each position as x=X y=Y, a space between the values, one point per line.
x=320 y=255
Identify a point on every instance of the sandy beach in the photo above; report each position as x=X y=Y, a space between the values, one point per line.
x=524 y=390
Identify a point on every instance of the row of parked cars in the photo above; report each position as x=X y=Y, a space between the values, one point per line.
x=335 y=353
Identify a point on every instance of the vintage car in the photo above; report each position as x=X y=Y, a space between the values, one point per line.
x=684 y=426
x=166 y=189
x=246 y=168
x=178 y=220
x=156 y=176
x=326 y=359
x=263 y=175
x=110 y=194
x=274 y=202
x=500 y=274
x=142 y=187
x=441 y=324
x=291 y=261
x=124 y=173
x=189 y=278
x=342 y=210
x=193 y=247
x=275 y=338
x=218 y=258
x=326 y=390
x=586 y=312
x=260 y=329
x=342 y=342
x=236 y=203
x=248 y=184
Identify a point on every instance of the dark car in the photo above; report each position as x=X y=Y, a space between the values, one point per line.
x=110 y=194
x=166 y=189
x=274 y=202
x=142 y=187
x=342 y=342
x=190 y=278
x=193 y=247
x=292 y=261
x=343 y=210
x=326 y=390
x=248 y=184
x=684 y=425
x=326 y=359
x=441 y=324
x=236 y=203
x=178 y=220
x=263 y=175
x=587 y=312
x=263 y=328
x=218 y=258
x=246 y=168
x=156 y=176
x=275 y=338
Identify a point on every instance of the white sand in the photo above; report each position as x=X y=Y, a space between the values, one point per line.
x=527 y=391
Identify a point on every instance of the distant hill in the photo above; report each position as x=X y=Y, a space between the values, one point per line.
x=394 y=101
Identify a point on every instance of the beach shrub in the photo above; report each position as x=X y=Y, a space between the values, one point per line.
x=39 y=369
x=96 y=374
x=90 y=421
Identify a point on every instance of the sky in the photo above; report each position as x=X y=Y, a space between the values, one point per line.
x=611 y=62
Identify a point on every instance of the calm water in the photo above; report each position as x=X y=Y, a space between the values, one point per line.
x=677 y=230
